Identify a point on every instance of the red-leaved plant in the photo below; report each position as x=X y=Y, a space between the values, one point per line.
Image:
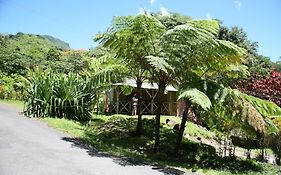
x=264 y=87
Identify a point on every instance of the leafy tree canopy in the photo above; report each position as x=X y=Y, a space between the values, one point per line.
x=257 y=64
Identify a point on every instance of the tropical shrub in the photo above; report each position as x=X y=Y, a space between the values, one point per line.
x=7 y=90
x=12 y=87
x=60 y=95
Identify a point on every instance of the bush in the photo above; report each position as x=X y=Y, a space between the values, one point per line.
x=60 y=95
x=7 y=90
x=12 y=87
x=117 y=126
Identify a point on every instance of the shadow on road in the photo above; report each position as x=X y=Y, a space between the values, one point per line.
x=123 y=161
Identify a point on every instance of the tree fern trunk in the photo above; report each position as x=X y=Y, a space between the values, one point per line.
x=139 y=129
x=182 y=127
x=161 y=88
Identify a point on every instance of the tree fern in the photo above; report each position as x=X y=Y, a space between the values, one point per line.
x=243 y=108
x=196 y=97
x=159 y=64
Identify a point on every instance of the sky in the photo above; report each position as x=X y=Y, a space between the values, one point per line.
x=77 y=21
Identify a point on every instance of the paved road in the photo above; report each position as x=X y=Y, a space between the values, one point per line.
x=29 y=147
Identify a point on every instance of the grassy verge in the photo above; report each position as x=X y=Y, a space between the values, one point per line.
x=115 y=135
x=14 y=103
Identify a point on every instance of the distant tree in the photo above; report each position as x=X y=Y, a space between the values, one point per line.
x=73 y=61
x=277 y=65
x=257 y=64
x=12 y=61
x=53 y=54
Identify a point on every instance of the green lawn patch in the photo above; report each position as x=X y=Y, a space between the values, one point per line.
x=13 y=103
x=69 y=126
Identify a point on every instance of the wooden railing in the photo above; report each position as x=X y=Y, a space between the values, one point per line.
x=149 y=108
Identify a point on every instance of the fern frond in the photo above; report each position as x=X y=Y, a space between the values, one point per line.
x=160 y=64
x=265 y=107
x=196 y=97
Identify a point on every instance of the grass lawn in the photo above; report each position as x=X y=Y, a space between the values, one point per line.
x=115 y=135
x=14 y=103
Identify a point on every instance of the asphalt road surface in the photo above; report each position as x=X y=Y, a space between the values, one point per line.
x=29 y=147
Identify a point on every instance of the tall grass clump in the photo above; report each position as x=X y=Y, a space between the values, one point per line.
x=60 y=95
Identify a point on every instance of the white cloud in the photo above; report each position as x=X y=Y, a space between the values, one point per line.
x=152 y=2
x=238 y=4
x=208 y=15
x=164 y=11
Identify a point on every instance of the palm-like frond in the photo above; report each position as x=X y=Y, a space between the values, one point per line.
x=159 y=64
x=254 y=111
x=196 y=97
x=132 y=37
x=211 y=26
x=108 y=69
x=252 y=116
x=195 y=47
x=265 y=107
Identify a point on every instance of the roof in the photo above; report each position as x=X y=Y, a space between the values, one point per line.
x=145 y=85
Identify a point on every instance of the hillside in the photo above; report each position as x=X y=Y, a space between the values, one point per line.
x=59 y=43
x=46 y=40
x=23 y=51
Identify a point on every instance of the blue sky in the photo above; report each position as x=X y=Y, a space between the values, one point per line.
x=77 y=21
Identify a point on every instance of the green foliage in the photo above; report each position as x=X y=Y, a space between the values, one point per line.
x=159 y=64
x=108 y=69
x=196 y=97
x=277 y=66
x=57 y=42
x=193 y=49
x=127 y=90
x=7 y=90
x=12 y=61
x=239 y=37
x=257 y=64
x=59 y=95
x=12 y=87
x=69 y=126
x=266 y=108
x=21 y=52
x=15 y=103
x=131 y=38
x=116 y=126
x=75 y=61
x=232 y=109
x=172 y=20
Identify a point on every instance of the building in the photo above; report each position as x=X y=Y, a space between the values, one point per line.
x=117 y=101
